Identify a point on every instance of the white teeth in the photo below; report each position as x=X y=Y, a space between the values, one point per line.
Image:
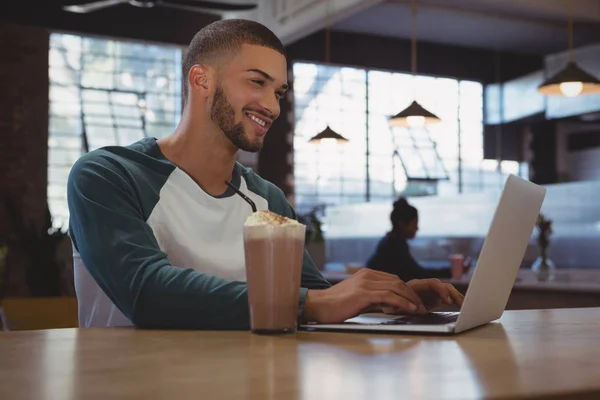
x=258 y=120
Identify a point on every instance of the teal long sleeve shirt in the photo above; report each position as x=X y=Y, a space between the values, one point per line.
x=154 y=250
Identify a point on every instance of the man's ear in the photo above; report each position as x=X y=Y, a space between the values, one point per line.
x=199 y=78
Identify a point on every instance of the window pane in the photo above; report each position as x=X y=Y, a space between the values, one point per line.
x=64 y=109
x=471 y=101
x=130 y=135
x=126 y=111
x=128 y=122
x=96 y=109
x=97 y=62
x=158 y=131
x=64 y=125
x=62 y=156
x=65 y=94
x=97 y=120
x=129 y=99
x=110 y=90
x=163 y=102
x=334 y=97
x=65 y=142
x=99 y=80
x=95 y=95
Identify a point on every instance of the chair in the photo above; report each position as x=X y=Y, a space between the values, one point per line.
x=29 y=313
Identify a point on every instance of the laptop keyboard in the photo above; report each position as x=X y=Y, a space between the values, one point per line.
x=427 y=319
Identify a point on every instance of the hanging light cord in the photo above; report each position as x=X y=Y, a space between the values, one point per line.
x=327 y=36
x=570 y=28
x=414 y=38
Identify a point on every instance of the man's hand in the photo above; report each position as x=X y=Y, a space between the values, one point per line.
x=363 y=290
x=435 y=293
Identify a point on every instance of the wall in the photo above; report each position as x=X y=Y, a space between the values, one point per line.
x=543 y=149
x=24 y=130
x=276 y=159
x=574 y=167
x=585 y=165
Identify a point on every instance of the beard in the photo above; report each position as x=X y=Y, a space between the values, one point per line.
x=223 y=114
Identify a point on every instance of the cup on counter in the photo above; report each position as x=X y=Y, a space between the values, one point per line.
x=274 y=250
x=457 y=262
x=352 y=268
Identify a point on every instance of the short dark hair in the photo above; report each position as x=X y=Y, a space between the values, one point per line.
x=221 y=37
x=402 y=213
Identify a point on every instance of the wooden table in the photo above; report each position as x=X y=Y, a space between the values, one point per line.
x=530 y=353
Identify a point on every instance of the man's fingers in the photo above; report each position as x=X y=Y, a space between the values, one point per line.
x=438 y=303
x=441 y=289
x=397 y=287
x=456 y=295
x=389 y=299
x=447 y=293
x=379 y=275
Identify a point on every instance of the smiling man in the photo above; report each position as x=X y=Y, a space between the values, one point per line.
x=157 y=231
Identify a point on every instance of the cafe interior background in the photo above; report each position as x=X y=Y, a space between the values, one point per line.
x=485 y=75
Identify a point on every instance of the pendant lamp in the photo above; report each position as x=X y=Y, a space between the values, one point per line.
x=415 y=115
x=327 y=135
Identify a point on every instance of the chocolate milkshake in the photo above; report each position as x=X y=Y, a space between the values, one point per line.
x=274 y=248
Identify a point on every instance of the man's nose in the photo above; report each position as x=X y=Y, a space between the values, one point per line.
x=270 y=104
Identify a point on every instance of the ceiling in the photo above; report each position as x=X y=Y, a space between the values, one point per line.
x=523 y=26
x=163 y=25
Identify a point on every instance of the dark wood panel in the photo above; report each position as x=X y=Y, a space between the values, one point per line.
x=434 y=59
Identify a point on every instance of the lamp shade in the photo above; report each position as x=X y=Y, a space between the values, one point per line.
x=570 y=81
x=413 y=116
x=328 y=135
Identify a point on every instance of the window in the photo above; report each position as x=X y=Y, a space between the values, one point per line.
x=105 y=92
x=357 y=103
x=336 y=97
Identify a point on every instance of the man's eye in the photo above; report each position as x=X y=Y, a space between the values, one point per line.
x=258 y=82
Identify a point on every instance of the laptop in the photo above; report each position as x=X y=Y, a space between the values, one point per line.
x=492 y=281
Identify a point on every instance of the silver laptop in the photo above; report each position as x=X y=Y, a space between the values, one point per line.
x=492 y=281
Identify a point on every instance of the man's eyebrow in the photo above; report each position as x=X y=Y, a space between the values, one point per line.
x=268 y=77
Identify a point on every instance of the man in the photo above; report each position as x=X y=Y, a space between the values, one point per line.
x=157 y=232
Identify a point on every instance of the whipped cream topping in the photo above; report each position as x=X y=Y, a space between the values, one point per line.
x=266 y=217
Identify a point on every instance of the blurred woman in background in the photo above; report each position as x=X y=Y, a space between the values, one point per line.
x=393 y=254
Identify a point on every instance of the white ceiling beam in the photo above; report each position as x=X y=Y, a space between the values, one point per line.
x=292 y=20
